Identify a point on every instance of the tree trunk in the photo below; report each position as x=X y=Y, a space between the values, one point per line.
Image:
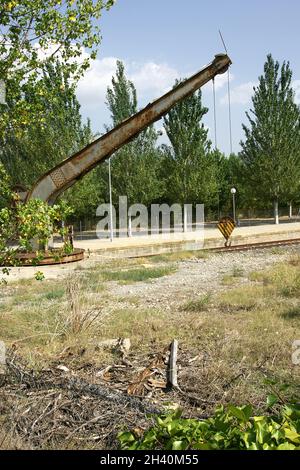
x=185 y=219
x=276 y=213
x=290 y=210
x=129 y=227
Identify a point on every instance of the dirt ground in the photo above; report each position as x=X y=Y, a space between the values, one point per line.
x=234 y=315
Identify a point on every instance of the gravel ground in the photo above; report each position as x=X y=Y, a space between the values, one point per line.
x=197 y=277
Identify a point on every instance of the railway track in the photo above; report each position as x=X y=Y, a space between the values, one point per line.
x=255 y=246
x=242 y=247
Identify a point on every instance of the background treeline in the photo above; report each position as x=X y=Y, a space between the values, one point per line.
x=189 y=169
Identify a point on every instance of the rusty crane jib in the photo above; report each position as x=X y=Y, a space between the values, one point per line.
x=65 y=174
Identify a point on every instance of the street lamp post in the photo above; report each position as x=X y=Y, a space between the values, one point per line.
x=233 y=192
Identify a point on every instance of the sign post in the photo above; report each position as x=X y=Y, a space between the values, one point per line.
x=226 y=227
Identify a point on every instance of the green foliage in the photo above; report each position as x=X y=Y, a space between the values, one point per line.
x=121 y=97
x=231 y=428
x=21 y=223
x=29 y=150
x=39 y=276
x=36 y=220
x=271 y=150
x=190 y=166
x=136 y=166
x=198 y=305
x=137 y=274
x=34 y=33
x=5 y=194
x=231 y=174
x=85 y=195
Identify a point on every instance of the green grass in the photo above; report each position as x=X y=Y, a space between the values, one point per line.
x=257 y=276
x=228 y=280
x=231 y=278
x=130 y=299
x=284 y=278
x=292 y=313
x=244 y=298
x=277 y=251
x=137 y=274
x=237 y=271
x=198 y=305
x=55 y=294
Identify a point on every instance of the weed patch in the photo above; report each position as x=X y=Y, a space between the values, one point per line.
x=197 y=305
x=137 y=274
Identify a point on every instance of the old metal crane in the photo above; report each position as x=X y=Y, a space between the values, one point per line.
x=64 y=175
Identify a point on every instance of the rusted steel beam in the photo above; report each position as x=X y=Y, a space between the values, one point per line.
x=49 y=258
x=64 y=175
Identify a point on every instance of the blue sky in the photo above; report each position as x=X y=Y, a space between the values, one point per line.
x=161 y=40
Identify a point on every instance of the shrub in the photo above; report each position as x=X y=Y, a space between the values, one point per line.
x=21 y=223
x=230 y=428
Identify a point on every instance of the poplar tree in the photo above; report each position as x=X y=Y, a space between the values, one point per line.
x=30 y=150
x=192 y=167
x=134 y=166
x=271 y=149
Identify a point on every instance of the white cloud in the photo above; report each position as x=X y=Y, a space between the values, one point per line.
x=92 y=86
x=296 y=86
x=150 y=79
x=222 y=80
x=241 y=94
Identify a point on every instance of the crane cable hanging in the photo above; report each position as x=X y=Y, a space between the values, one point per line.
x=229 y=97
x=215 y=113
x=229 y=111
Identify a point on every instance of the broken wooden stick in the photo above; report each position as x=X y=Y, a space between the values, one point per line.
x=172 y=372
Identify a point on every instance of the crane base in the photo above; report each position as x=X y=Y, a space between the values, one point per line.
x=50 y=257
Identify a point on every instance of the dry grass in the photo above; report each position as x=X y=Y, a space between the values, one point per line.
x=8 y=441
x=179 y=256
x=148 y=329
x=230 y=341
x=42 y=319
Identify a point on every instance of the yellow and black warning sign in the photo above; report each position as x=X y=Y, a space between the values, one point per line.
x=226 y=227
